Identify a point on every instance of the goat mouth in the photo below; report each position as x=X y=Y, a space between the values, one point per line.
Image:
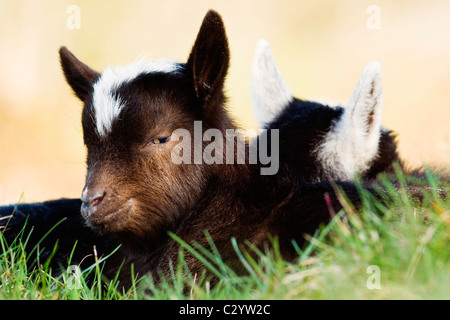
x=108 y=219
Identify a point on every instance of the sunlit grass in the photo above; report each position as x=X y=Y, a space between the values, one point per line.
x=399 y=251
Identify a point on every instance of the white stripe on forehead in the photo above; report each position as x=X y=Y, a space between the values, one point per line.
x=107 y=105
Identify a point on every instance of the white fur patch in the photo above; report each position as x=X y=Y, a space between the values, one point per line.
x=107 y=107
x=353 y=142
x=270 y=93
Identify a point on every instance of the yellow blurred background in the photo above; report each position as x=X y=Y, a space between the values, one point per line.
x=320 y=46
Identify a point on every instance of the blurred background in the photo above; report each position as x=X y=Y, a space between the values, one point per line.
x=320 y=46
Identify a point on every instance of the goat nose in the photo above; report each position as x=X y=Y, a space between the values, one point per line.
x=92 y=199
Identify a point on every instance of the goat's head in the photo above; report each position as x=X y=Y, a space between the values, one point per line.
x=322 y=142
x=133 y=188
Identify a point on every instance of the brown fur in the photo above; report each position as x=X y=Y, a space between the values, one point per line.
x=136 y=194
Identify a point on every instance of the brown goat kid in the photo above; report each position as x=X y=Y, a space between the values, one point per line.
x=136 y=193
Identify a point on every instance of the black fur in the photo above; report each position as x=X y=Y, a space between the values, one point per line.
x=302 y=125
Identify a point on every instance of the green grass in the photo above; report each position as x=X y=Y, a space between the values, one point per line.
x=407 y=246
x=17 y=281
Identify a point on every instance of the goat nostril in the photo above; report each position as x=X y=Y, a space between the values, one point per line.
x=94 y=199
x=97 y=198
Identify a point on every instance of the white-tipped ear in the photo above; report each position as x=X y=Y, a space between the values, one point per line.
x=270 y=93
x=353 y=143
x=361 y=122
x=364 y=109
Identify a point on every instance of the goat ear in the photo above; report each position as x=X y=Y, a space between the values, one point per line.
x=353 y=144
x=270 y=92
x=209 y=58
x=363 y=111
x=362 y=117
x=79 y=76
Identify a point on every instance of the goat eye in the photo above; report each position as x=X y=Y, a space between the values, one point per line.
x=158 y=140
